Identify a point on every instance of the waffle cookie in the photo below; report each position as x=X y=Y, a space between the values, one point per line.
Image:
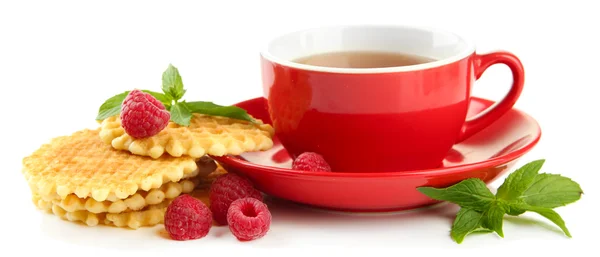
x=140 y=210
x=136 y=202
x=83 y=165
x=213 y=135
x=149 y=216
x=204 y=171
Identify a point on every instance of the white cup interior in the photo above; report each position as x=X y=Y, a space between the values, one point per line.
x=442 y=46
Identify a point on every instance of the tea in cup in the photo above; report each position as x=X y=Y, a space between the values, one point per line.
x=378 y=98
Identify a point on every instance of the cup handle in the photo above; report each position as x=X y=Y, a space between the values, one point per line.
x=494 y=112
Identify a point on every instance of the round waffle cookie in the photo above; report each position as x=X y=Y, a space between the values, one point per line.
x=213 y=135
x=136 y=202
x=149 y=216
x=83 y=165
x=140 y=210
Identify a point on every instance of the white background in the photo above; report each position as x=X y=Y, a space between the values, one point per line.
x=60 y=60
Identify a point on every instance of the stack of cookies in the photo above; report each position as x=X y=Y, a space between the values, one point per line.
x=104 y=176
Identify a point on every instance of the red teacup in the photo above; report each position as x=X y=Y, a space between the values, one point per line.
x=388 y=119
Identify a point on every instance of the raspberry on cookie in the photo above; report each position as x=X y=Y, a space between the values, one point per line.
x=142 y=115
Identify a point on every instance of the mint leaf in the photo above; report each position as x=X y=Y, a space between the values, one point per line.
x=112 y=106
x=166 y=100
x=550 y=215
x=517 y=182
x=551 y=191
x=180 y=114
x=493 y=218
x=172 y=84
x=470 y=193
x=209 y=108
x=109 y=112
x=513 y=207
x=466 y=222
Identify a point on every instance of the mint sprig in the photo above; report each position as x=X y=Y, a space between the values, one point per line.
x=523 y=190
x=171 y=97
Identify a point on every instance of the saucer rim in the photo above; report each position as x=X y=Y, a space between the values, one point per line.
x=492 y=162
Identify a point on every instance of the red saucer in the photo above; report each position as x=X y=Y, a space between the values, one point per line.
x=486 y=155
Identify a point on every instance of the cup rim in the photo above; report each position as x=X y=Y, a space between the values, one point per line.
x=469 y=49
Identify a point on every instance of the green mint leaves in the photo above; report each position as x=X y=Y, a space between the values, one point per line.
x=470 y=193
x=466 y=221
x=209 y=108
x=112 y=106
x=172 y=84
x=523 y=190
x=180 y=114
x=171 y=97
x=517 y=182
x=551 y=191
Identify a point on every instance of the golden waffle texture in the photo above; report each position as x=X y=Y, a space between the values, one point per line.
x=213 y=135
x=136 y=202
x=149 y=216
x=83 y=165
x=80 y=178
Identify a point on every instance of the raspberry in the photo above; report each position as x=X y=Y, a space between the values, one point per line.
x=187 y=218
x=226 y=189
x=248 y=219
x=310 y=161
x=142 y=115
